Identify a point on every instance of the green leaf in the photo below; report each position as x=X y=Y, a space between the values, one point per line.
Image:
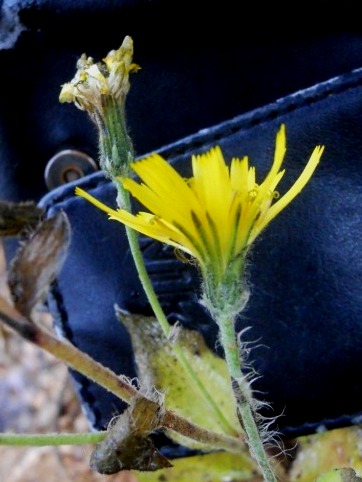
x=320 y=454
x=157 y=366
x=215 y=467
x=345 y=474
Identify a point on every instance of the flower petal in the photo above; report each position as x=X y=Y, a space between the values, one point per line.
x=297 y=187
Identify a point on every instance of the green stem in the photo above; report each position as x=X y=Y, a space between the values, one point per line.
x=243 y=396
x=41 y=440
x=124 y=202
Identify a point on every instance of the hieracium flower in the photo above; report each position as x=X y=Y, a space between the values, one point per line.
x=214 y=216
x=101 y=90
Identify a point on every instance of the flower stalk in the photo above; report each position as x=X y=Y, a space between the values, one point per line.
x=225 y=300
x=244 y=396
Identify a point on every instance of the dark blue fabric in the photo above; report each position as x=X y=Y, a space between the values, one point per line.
x=305 y=270
x=200 y=66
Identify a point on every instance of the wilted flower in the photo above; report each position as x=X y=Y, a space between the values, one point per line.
x=94 y=81
x=101 y=90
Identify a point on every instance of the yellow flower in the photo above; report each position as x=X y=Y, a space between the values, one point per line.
x=215 y=215
x=93 y=81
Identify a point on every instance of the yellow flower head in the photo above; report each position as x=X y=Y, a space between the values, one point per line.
x=92 y=81
x=215 y=215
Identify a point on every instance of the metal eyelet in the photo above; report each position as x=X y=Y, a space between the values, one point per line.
x=67 y=166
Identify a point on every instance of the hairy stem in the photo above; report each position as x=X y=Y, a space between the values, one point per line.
x=243 y=396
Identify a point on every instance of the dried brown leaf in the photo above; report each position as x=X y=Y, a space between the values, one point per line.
x=15 y=218
x=37 y=262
